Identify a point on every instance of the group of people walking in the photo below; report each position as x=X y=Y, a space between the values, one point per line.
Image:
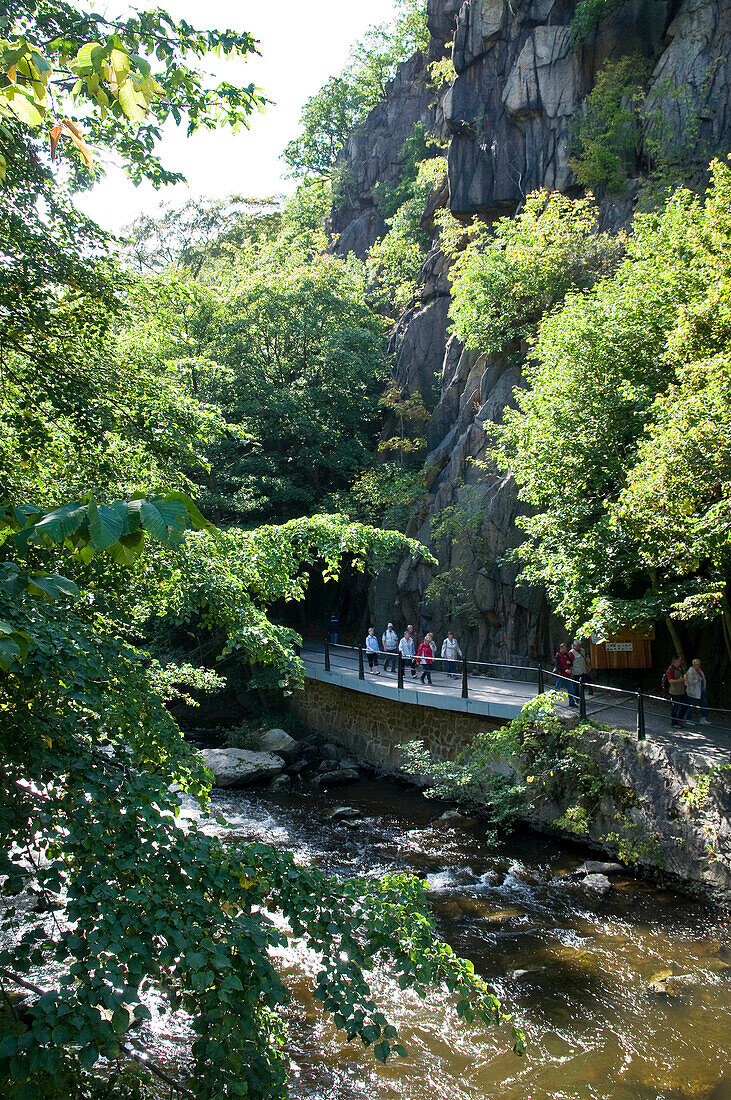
x=687 y=691
x=571 y=668
x=415 y=656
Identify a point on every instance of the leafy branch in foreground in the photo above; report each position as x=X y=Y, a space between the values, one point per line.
x=113 y=82
x=117 y=901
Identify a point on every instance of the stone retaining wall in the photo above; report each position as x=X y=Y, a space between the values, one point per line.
x=373 y=727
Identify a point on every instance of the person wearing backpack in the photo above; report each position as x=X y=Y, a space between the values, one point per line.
x=676 y=689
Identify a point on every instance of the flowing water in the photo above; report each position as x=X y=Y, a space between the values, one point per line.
x=573 y=968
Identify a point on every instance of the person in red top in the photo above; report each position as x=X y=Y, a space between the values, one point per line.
x=562 y=667
x=425 y=657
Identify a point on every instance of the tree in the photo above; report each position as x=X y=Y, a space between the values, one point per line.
x=190 y=236
x=88 y=824
x=305 y=361
x=616 y=375
x=509 y=274
x=395 y=261
x=101 y=83
x=113 y=83
x=675 y=503
x=606 y=131
x=332 y=114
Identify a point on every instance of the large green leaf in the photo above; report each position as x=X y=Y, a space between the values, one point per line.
x=51 y=585
x=107 y=523
x=152 y=520
x=62 y=522
x=128 y=549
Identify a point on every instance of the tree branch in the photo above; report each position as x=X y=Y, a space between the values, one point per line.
x=127 y=1051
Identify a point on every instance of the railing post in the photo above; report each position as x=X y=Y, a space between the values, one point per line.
x=640 y=717
x=582 y=698
x=327 y=656
x=465 y=691
x=361 y=670
x=541 y=681
x=400 y=671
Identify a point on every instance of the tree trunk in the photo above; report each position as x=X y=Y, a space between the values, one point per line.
x=679 y=651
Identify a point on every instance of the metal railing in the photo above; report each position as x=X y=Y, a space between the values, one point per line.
x=634 y=710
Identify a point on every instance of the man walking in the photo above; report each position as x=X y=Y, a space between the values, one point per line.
x=562 y=669
x=676 y=687
x=389 y=642
x=451 y=653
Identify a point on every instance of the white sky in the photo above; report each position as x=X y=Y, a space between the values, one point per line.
x=302 y=43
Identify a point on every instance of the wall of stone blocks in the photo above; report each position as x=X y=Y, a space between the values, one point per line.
x=372 y=727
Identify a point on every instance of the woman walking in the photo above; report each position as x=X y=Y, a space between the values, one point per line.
x=425 y=657
x=371 y=645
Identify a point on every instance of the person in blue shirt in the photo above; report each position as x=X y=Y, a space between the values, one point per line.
x=408 y=650
x=371 y=644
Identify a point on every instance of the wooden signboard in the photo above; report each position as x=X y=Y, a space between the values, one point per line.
x=626 y=649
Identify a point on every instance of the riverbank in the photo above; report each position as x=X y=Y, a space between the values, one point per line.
x=658 y=807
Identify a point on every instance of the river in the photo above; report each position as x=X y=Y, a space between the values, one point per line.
x=573 y=968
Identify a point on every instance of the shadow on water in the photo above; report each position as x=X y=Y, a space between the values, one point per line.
x=573 y=968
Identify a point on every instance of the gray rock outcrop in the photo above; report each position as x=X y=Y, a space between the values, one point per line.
x=520 y=77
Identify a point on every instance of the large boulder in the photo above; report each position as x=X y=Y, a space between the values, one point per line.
x=241 y=767
x=281 y=744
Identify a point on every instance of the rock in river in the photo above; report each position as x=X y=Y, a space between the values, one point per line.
x=281 y=744
x=342 y=775
x=597 y=867
x=239 y=767
x=600 y=884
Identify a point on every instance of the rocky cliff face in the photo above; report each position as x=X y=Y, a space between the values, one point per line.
x=520 y=79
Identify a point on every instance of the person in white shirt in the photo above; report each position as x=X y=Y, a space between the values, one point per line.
x=695 y=689
x=389 y=641
x=371 y=644
x=451 y=653
x=408 y=651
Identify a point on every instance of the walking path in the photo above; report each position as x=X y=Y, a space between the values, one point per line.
x=499 y=699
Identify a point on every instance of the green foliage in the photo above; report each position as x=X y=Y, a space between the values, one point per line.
x=511 y=273
x=606 y=130
x=90 y=834
x=442 y=71
x=225 y=581
x=589 y=14
x=332 y=114
x=386 y=495
x=471 y=780
x=191 y=236
x=394 y=262
x=304 y=363
x=612 y=442
x=502 y=773
x=113 y=83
